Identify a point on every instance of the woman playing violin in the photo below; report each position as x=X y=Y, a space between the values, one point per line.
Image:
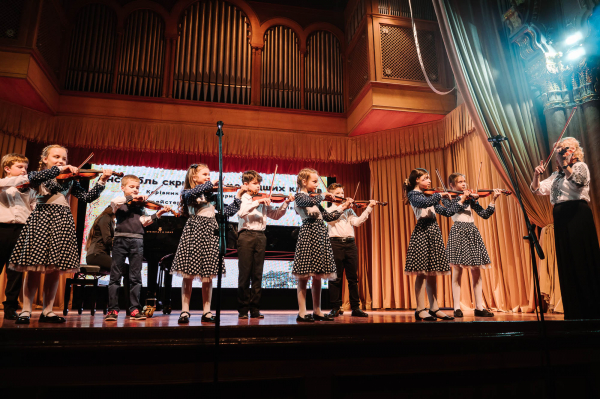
x=577 y=249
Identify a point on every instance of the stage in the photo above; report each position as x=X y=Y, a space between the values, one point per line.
x=379 y=356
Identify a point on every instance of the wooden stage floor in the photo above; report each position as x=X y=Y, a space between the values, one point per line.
x=379 y=356
x=272 y=318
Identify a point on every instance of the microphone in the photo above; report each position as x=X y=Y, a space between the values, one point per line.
x=497 y=139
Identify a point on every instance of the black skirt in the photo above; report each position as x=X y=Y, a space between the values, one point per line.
x=314 y=256
x=197 y=254
x=466 y=248
x=47 y=242
x=578 y=259
x=426 y=252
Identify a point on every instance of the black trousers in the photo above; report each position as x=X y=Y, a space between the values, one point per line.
x=577 y=259
x=132 y=248
x=9 y=234
x=346 y=259
x=251 y=248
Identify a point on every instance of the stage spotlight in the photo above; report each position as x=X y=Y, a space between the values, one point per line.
x=576 y=53
x=574 y=38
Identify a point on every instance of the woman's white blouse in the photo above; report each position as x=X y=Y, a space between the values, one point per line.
x=560 y=189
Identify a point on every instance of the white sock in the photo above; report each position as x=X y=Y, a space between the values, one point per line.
x=316 y=295
x=477 y=288
x=206 y=296
x=432 y=296
x=186 y=294
x=50 y=288
x=456 y=279
x=302 y=283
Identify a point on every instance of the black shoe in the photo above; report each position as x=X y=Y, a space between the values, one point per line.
x=51 y=319
x=428 y=318
x=446 y=317
x=325 y=317
x=483 y=313
x=335 y=313
x=184 y=318
x=255 y=314
x=458 y=313
x=359 y=313
x=22 y=319
x=206 y=319
x=308 y=318
x=10 y=314
x=242 y=315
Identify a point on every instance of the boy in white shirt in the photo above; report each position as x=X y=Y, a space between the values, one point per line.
x=252 y=243
x=15 y=207
x=345 y=253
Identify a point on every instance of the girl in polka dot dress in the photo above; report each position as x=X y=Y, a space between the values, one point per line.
x=48 y=244
x=197 y=256
x=314 y=256
x=426 y=257
x=465 y=248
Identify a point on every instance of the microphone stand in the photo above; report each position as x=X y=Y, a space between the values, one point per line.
x=534 y=247
x=222 y=250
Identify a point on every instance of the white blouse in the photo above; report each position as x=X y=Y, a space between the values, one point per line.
x=560 y=189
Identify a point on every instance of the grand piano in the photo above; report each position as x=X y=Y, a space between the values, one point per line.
x=162 y=237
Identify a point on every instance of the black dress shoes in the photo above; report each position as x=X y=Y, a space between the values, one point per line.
x=483 y=313
x=242 y=315
x=208 y=319
x=23 y=318
x=325 y=317
x=428 y=318
x=184 y=318
x=444 y=317
x=359 y=313
x=458 y=313
x=52 y=319
x=308 y=318
x=10 y=314
x=255 y=314
x=335 y=313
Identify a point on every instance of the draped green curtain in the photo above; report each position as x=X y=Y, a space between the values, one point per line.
x=492 y=81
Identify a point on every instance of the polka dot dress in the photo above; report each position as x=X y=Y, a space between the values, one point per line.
x=466 y=248
x=47 y=242
x=426 y=251
x=197 y=255
x=314 y=256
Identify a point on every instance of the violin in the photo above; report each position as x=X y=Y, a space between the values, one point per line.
x=228 y=188
x=84 y=174
x=567 y=152
x=360 y=204
x=153 y=206
x=454 y=193
x=275 y=198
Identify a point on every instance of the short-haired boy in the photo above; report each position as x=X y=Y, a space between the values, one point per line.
x=345 y=253
x=129 y=243
x=252 y=243
x=15 y=207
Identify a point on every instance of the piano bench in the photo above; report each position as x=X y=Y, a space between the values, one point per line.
x=80 y=279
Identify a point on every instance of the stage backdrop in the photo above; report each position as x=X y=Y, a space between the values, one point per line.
x=171 y=182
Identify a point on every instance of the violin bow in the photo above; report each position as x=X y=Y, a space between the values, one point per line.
x=273 y=181
x=440 y=178
x=86 y=161
x=559 y=138
x=478 y=176
x=152 y=193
